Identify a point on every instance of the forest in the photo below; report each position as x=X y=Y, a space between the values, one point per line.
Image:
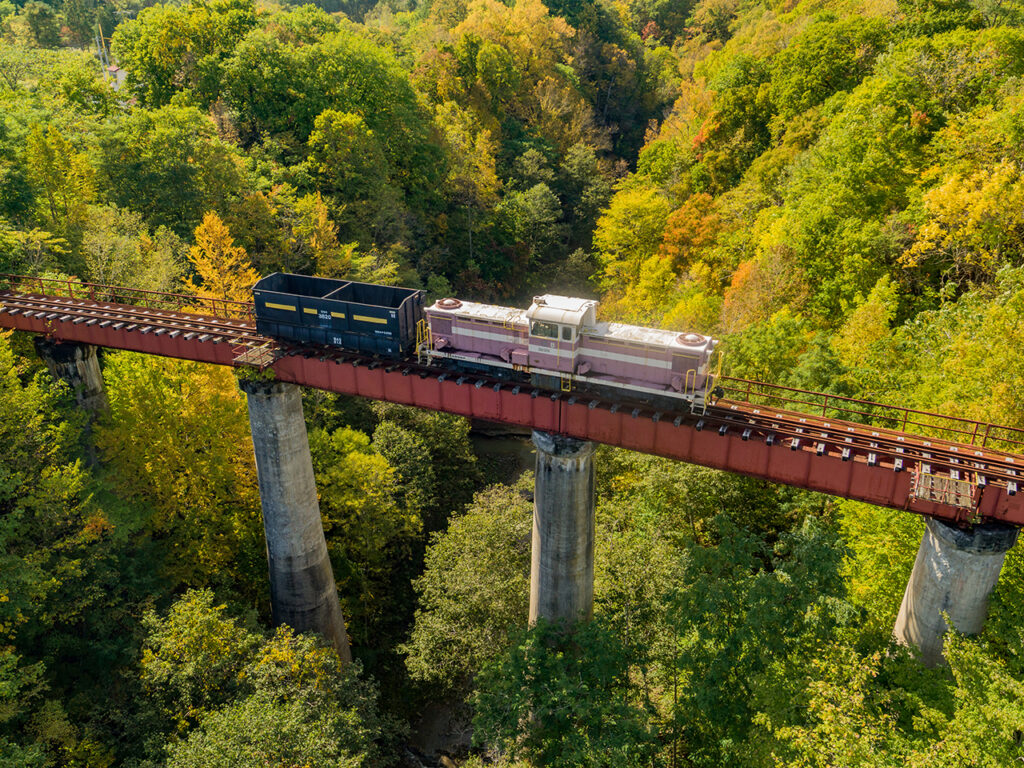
x=833 y=188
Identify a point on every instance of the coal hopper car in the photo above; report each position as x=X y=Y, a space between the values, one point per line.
x=375 y=319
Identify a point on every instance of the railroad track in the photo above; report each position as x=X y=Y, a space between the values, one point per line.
x=128 y=318
x=798 y=431
x=792 y=430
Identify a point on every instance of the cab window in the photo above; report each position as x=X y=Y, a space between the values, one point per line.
x=566 y=333
x=545 y=330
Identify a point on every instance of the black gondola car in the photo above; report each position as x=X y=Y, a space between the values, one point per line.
x=378 y=319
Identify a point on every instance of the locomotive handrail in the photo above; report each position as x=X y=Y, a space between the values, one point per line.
x=73 y=288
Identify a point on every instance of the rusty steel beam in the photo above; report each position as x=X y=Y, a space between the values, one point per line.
x=837 y=457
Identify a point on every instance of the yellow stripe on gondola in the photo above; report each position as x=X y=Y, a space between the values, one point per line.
x=309 y=310
x=365 y=319
x=340 y=315
x=271 y=305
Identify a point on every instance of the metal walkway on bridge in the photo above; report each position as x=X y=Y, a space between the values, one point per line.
x=952 y=468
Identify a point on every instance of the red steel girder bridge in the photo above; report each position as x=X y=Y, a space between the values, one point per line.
x=956 y=469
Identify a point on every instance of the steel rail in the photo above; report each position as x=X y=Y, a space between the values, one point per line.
x=98 y=292
x=837 y=435
x=931 y=445
x=747 y=390
x=145 y=323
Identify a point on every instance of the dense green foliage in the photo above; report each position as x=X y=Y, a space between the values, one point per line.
x=833 y=189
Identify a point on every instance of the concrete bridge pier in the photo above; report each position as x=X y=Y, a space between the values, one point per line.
x=303 y=593
x=954 y=573
x=562 y=558
x=76 y=365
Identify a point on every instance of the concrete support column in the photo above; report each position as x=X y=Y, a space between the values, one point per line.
x=77 y=365
x=562 y=559
x=303 y=593
x=954 y=573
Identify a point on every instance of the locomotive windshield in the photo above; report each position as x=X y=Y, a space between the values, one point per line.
x=547 y=330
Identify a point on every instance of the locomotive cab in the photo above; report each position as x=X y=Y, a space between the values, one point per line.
x=556 y=323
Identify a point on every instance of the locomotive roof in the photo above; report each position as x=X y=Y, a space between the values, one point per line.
x=655 y=336
x=485 y=312
x=562 y=309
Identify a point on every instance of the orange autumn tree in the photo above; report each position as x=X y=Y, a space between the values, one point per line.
x=691 y=228
x=220 y=269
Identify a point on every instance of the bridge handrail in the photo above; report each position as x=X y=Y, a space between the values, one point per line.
x=899 y=417
x=73 y=288
x=896 y=417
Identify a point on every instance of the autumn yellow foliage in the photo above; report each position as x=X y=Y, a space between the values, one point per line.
x=221 y=269
x=974 y=223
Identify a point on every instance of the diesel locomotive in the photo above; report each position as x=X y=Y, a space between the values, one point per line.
x=557 y=343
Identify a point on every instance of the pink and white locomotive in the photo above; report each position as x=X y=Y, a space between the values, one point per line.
x=559 y=344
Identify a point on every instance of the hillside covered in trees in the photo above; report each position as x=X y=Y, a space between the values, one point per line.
x=834 y=188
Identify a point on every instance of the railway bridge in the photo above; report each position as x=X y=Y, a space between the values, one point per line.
x=963 y=475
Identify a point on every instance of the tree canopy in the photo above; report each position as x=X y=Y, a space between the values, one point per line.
x=832 y=190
